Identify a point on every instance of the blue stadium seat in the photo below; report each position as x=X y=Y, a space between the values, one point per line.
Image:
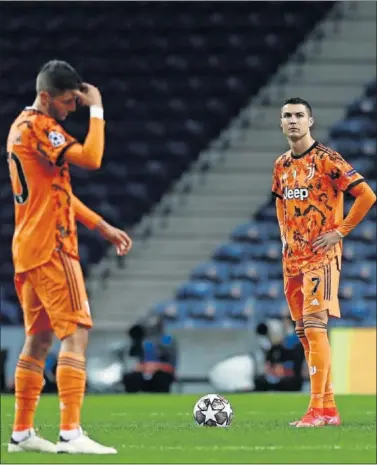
x=357 y=127
x=354 y=309
x=271 y=229
x=353 y=250
x=243 y=310
x=363 y=271
x=351 y=290
x=195 y=290
x=270 y=251
x=206 y=310
x=210 y=271
x=362 y=165
x=270 y=290
x=172 y=310
x=275 y=270
x=249 y=271
x=267 y=213
x=366 y=231
x=230 y=252
x=10 y=313
x=370 y=292
x=237 y=290
x=249 y=232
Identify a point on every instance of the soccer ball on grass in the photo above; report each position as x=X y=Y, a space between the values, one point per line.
x=213 y=410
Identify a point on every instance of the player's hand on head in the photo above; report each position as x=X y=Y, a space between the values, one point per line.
x=89 y=95
x=119 y=238
x=325 y=241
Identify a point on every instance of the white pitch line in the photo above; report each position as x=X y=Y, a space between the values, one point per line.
x=248 y=448
x=186 y=414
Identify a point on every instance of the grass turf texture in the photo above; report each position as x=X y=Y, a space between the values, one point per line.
x=161 y=429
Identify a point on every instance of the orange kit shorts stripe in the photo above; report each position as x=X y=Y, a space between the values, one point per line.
x=53 y=296
x=314 y=291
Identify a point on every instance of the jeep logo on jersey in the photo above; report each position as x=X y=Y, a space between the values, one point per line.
x=298 y=193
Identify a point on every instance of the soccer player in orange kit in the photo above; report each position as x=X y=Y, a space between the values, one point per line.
x=308 y=182
x=48 y=276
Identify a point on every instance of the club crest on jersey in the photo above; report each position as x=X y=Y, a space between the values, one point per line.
x=311 y=171
x=56 y=138
x=297 y=193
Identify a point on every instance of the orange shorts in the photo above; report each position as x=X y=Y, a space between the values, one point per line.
x=314 y=291
x=53 y=297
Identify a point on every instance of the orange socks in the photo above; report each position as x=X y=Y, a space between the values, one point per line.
x=71 y=380
x=305 y=343
x=28 y=384
x=329 y=399
x=319 y=359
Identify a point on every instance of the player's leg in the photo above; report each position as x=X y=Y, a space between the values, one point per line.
x=29 y=371
x=71 y=380
x=317 y=289
x=331 y=414
x=295 y=300
x=68 y=309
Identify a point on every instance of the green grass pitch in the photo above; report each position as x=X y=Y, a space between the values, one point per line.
x=160 y=429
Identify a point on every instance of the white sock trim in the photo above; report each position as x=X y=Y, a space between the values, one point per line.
x=70 y=434
x=21 y=435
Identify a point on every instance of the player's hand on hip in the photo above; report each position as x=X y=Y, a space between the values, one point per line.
x=326 y=241
x=119 y=238
x=89 y=95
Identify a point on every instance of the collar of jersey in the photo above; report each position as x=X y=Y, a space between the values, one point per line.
x=305 y=153
x=33 y=109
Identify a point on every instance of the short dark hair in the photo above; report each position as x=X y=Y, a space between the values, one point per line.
x=299 y=101
x=56 y=77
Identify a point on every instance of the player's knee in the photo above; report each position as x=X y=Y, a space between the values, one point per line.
x=76 y=342
x=323 y=317
x=38 y=345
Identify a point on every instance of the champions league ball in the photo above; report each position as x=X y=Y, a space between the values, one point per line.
x=213 y=410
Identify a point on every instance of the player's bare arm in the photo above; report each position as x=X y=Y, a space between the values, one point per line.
x=119 y=238
x=92 y=220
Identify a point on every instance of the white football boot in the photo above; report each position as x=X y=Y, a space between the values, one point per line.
x=32 y=443
x=82 y=444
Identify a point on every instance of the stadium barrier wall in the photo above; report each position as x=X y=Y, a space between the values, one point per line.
x=354 y=360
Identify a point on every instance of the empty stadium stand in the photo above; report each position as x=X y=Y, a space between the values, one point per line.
x=242 y=283
x=172 y=78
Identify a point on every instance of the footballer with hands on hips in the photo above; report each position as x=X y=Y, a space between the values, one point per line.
x=48 y=276
x=309 y=182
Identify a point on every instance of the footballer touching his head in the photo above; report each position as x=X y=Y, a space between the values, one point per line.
x=48 y=276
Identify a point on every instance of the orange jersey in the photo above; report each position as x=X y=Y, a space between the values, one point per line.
x=311 y=187
x=44 y=215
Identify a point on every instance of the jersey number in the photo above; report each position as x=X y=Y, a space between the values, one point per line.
x=22 y=196
x=316 y=281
